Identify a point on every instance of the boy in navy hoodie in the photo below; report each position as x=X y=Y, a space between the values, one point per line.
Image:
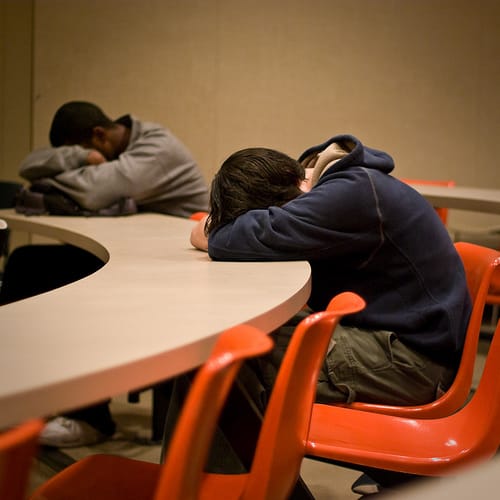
x=361 y=230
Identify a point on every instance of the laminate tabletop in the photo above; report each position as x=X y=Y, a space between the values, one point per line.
x=151 y=312
x=461 y=197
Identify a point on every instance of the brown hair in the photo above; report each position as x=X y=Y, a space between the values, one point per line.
x=250 y=179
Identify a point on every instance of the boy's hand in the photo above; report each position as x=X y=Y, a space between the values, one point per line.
x=198 y=237
x=95 y=157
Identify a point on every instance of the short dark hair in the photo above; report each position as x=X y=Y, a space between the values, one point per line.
x=250 y=179
x=74 y=121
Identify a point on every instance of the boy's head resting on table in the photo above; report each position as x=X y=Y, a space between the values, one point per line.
x=85 y=124
x=250 y=179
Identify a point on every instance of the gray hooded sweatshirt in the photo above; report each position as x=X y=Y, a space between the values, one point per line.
x=156 y=170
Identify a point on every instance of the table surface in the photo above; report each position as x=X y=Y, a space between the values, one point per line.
x=461 y=197
x=153 y=311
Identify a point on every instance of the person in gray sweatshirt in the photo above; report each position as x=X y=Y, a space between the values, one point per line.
x=96 y=162
x=95 y=166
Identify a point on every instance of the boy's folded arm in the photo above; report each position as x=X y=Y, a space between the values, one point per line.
x=198 y=237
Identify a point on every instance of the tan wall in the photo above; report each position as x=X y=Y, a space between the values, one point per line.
x=418 y=79
x=15 y=84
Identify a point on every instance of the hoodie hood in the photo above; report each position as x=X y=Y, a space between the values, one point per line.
x=341 y=152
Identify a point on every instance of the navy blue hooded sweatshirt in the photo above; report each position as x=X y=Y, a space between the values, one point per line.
x=363 y=230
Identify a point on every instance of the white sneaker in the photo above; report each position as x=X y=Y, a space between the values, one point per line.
x=62 y=432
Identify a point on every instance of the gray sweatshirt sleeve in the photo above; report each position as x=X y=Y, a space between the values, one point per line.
x=49 y=162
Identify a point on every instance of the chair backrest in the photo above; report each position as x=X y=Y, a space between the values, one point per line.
x=18 y=447
x=481 y=269
x=198 y=215
x=442 y=212
x=481 y=415
x=479 y=263
x=182 y=472
x=281 y=444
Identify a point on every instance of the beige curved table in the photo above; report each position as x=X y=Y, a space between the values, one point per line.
x=461 y=197
x=152 y=312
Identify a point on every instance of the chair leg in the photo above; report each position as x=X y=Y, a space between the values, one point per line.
x=161 y=398
x=134 y=397
x=494 y=315
x=180 y=388
x=162 y=393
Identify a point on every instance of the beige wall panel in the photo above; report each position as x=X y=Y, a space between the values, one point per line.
x=15 y=85
x=419 y=78
x=152 y=58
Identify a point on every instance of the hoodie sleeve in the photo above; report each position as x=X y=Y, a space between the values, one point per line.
x=338 y=217
x=49 y=162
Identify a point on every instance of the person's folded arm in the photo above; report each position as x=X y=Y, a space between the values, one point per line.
x=49 y=162
x=150 y=168
x=199 y=238
x=325 y=224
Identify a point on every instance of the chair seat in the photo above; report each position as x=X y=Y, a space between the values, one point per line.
x=18 y=448
x=105 y=476
x=120 y=478
x=428 y=447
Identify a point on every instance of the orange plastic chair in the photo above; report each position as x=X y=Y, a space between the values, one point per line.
x=107 y=476
x=18 y=447
x=431 y=447
x=442 y=212
x=281 y=444
x=486 y=237
x=198 y=215
x=480 y=263
x=280 y=449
